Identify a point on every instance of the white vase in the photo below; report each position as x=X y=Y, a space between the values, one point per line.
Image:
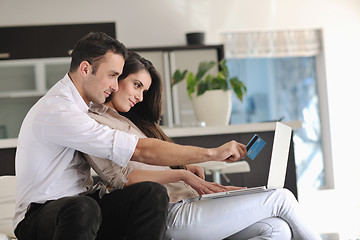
x=213 y=107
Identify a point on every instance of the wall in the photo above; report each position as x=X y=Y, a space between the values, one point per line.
x=164 y=22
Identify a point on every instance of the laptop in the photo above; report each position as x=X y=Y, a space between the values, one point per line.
x=277 y=169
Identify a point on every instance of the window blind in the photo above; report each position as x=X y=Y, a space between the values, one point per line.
x=284 y=43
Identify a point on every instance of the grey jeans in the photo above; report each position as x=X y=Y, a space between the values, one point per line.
x=272 y=215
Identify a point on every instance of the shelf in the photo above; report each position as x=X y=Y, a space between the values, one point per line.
x=218 y=130
x=21 y=94
x=201 y=131
x=8 y=143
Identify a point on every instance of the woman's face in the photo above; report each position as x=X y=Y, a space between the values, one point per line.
x=131 y=91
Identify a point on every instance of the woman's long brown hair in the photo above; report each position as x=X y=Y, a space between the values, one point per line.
x=146 y=115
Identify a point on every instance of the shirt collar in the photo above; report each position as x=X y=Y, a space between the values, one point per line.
x=75 y=93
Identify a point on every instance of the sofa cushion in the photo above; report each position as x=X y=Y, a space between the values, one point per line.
x=4 y=237
x=7 y=204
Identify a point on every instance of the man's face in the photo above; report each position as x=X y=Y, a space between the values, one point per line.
x=97 y=87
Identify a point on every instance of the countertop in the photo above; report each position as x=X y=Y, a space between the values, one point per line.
x=199 y=131
x=236 y=128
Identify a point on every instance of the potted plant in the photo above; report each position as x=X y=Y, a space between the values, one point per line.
x=211 y=94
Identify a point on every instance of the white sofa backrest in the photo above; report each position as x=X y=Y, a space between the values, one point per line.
x=7 y=205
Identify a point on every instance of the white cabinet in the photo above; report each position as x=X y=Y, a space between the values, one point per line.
x=22 y=83
x=177 y=108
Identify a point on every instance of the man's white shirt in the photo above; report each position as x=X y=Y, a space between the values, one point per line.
x=46 y=159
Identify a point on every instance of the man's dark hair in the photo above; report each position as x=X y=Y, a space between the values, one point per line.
x=93 y=47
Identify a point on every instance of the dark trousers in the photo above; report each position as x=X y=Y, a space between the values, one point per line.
x=135 y=212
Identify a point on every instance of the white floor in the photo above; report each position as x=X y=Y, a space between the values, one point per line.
x=333 y=213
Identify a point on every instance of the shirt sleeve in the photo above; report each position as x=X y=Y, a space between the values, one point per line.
x=69 y=127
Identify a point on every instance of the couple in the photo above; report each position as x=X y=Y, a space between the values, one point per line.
x=55 y=196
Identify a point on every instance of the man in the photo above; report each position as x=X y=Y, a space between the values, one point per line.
x=53 y=201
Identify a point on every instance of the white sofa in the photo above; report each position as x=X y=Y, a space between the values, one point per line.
x=7 y=206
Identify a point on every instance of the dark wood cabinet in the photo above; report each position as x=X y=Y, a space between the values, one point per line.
x=46 y=41
x=59 y=40
x=7 y=161
x=18 y=43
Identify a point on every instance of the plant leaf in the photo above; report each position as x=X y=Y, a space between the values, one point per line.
x=178 y=77
x=200 y=84
x=223 y=68
x=203 y=68
x=239 y=87
x=190 y=84
x=202 y=87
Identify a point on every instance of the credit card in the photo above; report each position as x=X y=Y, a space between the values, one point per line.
x=254 y=146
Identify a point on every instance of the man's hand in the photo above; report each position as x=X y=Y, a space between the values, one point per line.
x=157 y=152
x=230 y=152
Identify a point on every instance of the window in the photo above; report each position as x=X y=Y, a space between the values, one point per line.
x=282 y=72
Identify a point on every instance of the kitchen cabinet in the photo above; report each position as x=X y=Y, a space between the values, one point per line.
x=59 y=40
x=18 y=43
x=22 y=83
x=46 y=41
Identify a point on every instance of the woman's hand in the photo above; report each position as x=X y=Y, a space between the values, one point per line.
x=203 y=187
x=197 y=170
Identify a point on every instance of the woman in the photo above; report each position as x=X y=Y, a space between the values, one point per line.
x=136 y=108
